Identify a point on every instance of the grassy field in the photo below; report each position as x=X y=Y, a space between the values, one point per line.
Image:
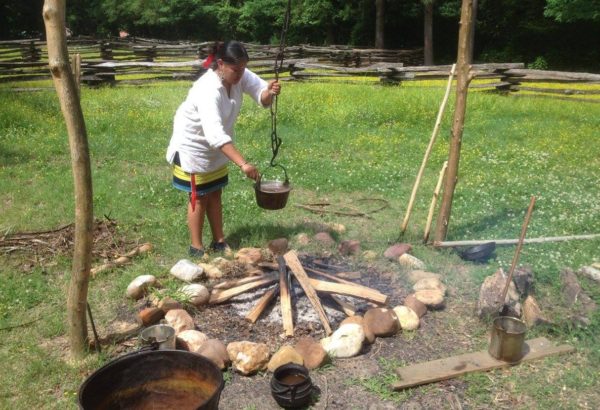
x=343 y=143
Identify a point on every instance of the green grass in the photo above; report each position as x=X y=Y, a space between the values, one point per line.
x=341 y=143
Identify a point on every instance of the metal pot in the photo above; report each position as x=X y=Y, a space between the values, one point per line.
x=507 y=339
x=162 y=335
x=479 y=253
x=157 y=379
x=272 y=195
x=291 y=386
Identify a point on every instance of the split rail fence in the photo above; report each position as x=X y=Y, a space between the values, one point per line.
x=136 y=60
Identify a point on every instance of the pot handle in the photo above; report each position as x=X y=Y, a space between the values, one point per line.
x=286 y=182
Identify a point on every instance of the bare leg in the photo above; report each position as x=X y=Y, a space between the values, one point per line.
x=214 y=212
x=195 y=221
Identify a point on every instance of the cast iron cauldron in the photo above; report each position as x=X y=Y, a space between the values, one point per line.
x=157 y=379
x=479 y=253
x=272 y=195
x=291 y=386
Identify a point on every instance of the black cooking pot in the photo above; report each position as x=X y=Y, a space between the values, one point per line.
x=272 y=195
x=291 y=386
x=479 y=253
x=157 y=379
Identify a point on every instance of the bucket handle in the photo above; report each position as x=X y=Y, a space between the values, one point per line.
x=285 y=183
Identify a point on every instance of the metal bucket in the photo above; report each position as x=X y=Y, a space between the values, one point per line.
x=272 y=195
x=507 y=339
x=162 y=335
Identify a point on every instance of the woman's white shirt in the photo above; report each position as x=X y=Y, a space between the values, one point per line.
x=205 y=120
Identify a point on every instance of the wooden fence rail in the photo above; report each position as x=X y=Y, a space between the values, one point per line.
x=114 y=61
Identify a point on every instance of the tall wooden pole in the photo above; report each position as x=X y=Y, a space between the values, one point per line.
x=463 y=79
x=64 y=82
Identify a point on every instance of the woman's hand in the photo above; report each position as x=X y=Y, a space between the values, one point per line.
x=274 y=87
x=250 y=170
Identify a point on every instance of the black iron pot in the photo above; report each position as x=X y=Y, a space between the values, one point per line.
x=479 y=253
x=291 y=386
x=158 y=379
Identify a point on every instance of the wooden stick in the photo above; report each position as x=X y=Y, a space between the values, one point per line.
x=434 y=134
x=262 y=304
x=436 y=194
x=450 y=244
x=237 y=282
x=284 y=299
x=221 y=296
x=292 y=261
x=513 y=265
x=348 y=308
x=360 y=292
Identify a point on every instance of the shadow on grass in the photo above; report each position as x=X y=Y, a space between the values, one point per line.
x=485 y=224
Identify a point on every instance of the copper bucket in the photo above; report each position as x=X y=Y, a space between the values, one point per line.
x=507 y=339
x=272 y=195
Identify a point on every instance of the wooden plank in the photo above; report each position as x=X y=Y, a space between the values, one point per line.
x=292 y=261
x=262 y=304
x=442 y=369
x=348 y=308
x=221 y=296
x=345 y=289
x=285 y=299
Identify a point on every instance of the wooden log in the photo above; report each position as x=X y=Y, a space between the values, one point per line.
x=450 y=244
x=222 y=296
x=360 y=292
x=291 y=258
x=262 y=304
x=285 y=299
x=237 y=282
x=348 y=308
x=341 y=280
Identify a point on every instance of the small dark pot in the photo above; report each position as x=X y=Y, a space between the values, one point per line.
x=291 y=386
x=272 y=195
x=479 y=253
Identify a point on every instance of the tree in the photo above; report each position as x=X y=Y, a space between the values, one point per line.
x=64 y=82
x=463 y=79
x=379 y=23
x=567 y=11
x=428 y=31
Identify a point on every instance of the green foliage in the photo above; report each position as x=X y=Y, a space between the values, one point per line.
x=539 y=63
x=566 y=11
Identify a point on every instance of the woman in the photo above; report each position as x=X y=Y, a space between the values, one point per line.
x=202 y=142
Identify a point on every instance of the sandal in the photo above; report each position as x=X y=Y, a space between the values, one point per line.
x=195 y=252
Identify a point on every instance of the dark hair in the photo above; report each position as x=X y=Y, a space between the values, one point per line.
x=231 y=52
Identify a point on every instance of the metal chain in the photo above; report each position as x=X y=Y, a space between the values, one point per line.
x=275 y=140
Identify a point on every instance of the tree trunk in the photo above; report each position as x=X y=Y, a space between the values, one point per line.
x=379 y=23
x=428 y=33
x=462 y=87
x=64 y=82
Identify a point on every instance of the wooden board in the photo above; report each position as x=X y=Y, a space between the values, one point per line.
x=285 y=299
x=447 y=368
x=262 y=304
x=357 y=291
x=222 y=296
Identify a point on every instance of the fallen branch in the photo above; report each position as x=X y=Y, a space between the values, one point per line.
x=320 y=209
x=450 y=244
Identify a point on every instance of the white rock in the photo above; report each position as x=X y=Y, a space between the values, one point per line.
x=191 y=340
x=138 y=287
x=409 y=261
x=344 y=342
x=591 y=272
x=407 y=317
x=187 y=271
x=197 y=293
x=430 y=283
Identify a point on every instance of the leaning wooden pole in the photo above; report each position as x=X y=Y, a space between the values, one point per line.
x=434 y=134
x=64 y=82
x=436 y=194
x=462 y=87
